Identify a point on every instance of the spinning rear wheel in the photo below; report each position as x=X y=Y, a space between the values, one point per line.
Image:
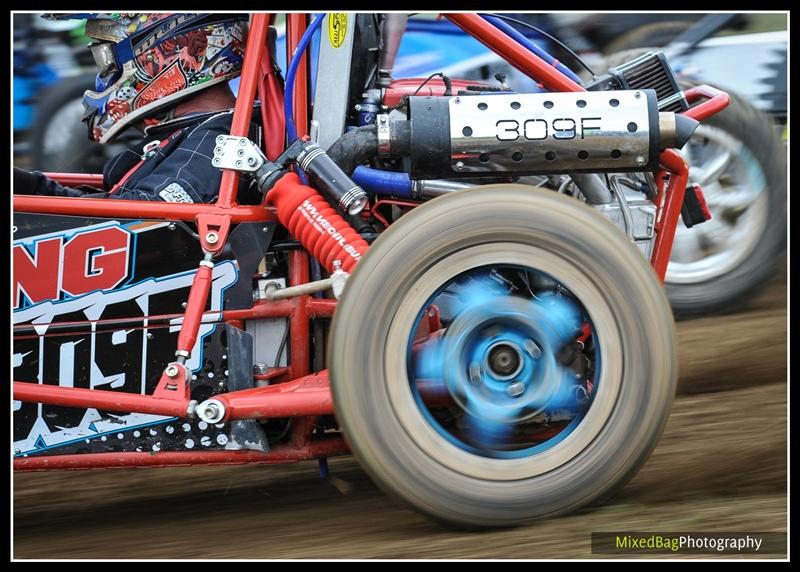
x=502 y=354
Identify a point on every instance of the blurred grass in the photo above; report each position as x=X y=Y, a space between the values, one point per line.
x=766 y=23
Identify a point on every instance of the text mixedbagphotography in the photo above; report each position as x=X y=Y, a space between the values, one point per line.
x=749 y=543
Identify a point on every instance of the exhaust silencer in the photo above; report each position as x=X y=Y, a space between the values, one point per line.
x=527 y=134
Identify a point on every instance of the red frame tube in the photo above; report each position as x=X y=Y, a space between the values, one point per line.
x=717 y=101
x=198 y=294
x=329 y=447
x=74 y=179
x=309 y=395
x=99 y=398
x=514 y=53
x=670 y=211
x=117 y=208
x=296 y=25
x=256 y=44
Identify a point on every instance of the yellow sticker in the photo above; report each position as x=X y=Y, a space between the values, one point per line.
x=337 y=28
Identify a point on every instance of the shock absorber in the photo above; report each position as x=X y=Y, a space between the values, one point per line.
x=316 y=224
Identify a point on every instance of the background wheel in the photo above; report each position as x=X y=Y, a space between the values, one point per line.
x=655 y=34
x=441 y=396
x=739 y=159
x=59 y=139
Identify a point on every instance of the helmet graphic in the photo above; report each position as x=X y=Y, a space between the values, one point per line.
x=148 y=62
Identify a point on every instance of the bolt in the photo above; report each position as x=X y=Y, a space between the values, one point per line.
x=457 y=100
x=265 y=229
x=242 y=142
x=211 y=411
x=382 y=119
x=261 y=368
x=460 y=166
x=212 y=238
x=216 y=161
x=515 y=389
x=251 y=161
x=171 y=226
x=240 y=152
x=172 y=370
x=218 y=150
x=358 y=107
x=637 y=94
x=238 y=164
x=533 y=350
x=183 y=305
x=640 y=160
x=149 y=336
x=221 y=139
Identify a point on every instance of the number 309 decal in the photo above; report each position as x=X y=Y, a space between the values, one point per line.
x=539 y=129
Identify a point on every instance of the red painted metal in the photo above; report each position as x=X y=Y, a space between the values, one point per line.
x=101 y=399
x=314 y=308
x=309 y=395
x=670 y=211
x=329 y=447
x=198 y=296
x=117 y=208
x=515 y=54
x=394 y=202
x=434 y=392
x=75 y=179
x=299 y=350
x=316 y=224
x=270 y=93
x=407 y=87
x=174 y=388
x=256 y=45
x=218 y=224
x=717 y=101
x=296 y=25
x=320 y=307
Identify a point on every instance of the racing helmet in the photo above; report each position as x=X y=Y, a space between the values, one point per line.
x=148 y=62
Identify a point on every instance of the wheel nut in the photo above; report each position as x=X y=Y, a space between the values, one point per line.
x=533 y=350
x=515 y=389
x=475 y=372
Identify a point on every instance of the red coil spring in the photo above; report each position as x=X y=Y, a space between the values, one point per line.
x=315 y=223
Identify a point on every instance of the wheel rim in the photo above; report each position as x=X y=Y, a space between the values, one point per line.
x=513 y=410
x=734 y=187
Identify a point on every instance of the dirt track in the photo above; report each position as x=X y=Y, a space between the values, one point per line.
x=721 y=465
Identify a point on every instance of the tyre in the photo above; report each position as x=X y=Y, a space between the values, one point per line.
x=655 y=34
x=739 y=160
x=59 y=139
x=502 y=354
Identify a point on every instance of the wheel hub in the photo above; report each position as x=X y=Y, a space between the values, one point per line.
x=501 y=358
x=504 y=360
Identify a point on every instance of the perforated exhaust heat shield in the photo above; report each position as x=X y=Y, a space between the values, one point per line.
x=522 y=134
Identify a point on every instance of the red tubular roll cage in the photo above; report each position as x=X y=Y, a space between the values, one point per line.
x=300 y=393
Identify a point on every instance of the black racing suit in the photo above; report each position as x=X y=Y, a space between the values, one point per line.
x=180 y=170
